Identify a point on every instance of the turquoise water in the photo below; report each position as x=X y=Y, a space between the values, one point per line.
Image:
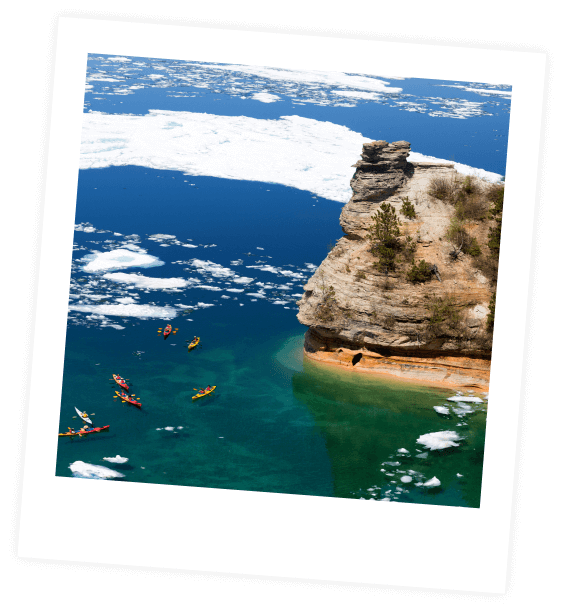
x=274 y=424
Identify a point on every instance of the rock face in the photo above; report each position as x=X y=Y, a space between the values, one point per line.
x=362 y=318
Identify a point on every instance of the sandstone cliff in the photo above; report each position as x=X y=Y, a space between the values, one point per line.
x=373 y=320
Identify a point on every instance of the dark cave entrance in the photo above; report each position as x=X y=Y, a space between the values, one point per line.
x=356 y=359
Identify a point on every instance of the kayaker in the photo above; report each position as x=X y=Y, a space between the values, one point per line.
x=71 y=431
x=208 y=388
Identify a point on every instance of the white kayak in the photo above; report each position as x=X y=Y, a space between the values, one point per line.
x=86 y=419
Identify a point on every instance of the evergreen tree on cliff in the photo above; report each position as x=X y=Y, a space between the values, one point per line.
x=384 y=237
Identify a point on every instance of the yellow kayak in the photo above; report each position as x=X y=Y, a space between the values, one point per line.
x=194 y=343
x=204 y=393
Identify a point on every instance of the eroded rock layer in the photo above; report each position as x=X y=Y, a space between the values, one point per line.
x=366 y=319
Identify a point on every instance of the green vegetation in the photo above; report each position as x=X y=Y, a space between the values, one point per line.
x=384 y=237
x=491 y=315
x=421 y=272
x=408 y=248
x=470 y=202
x=386 y=227
x=441 y=188
x=325 y=309
x=488 y=262
x=407 y=208
x=496 y=213
x=444 y=316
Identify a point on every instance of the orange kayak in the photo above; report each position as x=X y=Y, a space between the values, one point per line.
x=128 y=399
x=93 y=431
x=121 y=382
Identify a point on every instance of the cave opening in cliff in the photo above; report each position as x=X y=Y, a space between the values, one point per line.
x=356 y=359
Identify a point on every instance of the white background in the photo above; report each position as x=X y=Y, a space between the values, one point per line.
x=273 y=534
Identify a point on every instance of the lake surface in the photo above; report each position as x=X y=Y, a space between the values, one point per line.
x=225 y=259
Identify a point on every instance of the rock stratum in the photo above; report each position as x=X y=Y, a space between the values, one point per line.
x=364 y=319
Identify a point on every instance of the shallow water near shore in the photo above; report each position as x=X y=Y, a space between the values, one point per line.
x=275 y=424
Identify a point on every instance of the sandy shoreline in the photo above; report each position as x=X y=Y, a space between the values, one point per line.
x=457 y=381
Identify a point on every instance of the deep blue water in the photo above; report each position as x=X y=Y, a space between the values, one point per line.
x=478 y=141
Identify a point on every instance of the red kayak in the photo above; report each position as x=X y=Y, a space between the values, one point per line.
x=128 y=399
x=92 y=431
x=167 y=330
x=121 y=382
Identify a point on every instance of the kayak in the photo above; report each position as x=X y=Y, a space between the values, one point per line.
x=128 y=399
x=194 y=343
x=204 y=393
x=82 y=417
x=167 y=330
x=87 y=432
x=121 y=382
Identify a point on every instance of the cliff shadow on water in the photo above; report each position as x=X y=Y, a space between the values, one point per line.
x=370 y=427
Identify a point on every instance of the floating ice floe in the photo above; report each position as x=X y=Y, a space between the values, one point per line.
x=462 y=409
x=439 y=440
x=402 y=450
x=129 y=310
x=406 y=479
x=149 y=283
x=465 y=399
x=117 y=460
x=91 y=471
x=122 y=258
x=442 y=410
x=434 y=482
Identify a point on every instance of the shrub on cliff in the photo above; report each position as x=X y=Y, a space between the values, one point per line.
x=462 y=242
x=491 y=314
x=325 y=309
x=384 y=237
x=487 y=265
x=445 y=317
x=496 y=212
x=420 y=273
x=441 y=188
x=386 y=258
x=408 y=248
x=386 y=227
x=407 y=208
x=488 y=262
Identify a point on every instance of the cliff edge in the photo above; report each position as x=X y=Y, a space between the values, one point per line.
x=417 y=305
